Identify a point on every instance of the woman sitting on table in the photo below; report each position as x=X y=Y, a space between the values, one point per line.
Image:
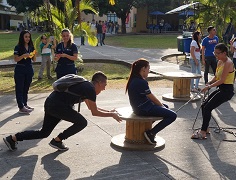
x=223 y=80
x=143 y=102
x=66 y=55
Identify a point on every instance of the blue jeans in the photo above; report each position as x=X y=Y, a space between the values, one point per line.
x=99 y=37
x=56 y=110
x=195 y=69
x=209 y=61
x=23 y=75
x=168 y=115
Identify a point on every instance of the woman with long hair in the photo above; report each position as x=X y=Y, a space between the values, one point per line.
x=194 y=59
x=66 y=55
x=223 y=80
x=24 y=54
x=143 y=102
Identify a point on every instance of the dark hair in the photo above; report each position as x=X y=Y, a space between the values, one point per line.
x=210 y=28
x=222 y=47
x=99 y=77
x=135 y=70
x=21 y=42
x=195 y=37
x=69 y=43
x=43 y=36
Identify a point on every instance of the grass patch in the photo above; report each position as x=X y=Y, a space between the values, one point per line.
x=113 y=72
x=9 y=41
x=143 y=41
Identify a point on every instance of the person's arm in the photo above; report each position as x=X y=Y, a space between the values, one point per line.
x=153 y=98
x=192 y=50
x=92 y=106
x=17 y=58
x=72 y=58
x=213 y=83
x=231 y=47
x=203 y=55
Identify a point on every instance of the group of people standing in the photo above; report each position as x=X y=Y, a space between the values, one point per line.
x=66 y=53
x=216 y=56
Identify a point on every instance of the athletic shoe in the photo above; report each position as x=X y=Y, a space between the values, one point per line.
x=11 y=144
x=150 y=137
x=58 y=145
x=30 y=108
x=24 y=110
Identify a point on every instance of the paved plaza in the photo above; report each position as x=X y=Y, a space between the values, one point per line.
x=91 y=155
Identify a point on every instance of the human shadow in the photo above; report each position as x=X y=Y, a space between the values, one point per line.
x=10 y=118
x=55 y=168
x=11 y=162
x=218 y=155
x=138 y=165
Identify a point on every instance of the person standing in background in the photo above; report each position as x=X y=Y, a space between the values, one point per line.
x=66 y=55
x=233 y=50
x=24 y=54
x=194 y=59
x=104 y=30
x=208 y=58
x=46 y=49
x=99 y=32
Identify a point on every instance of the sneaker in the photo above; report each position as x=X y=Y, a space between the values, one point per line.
x=58 y=145
x=194 y=90
x=39 y=78
x=150 y=137
x=11 y=144
x=24 y=110
x=30 y=108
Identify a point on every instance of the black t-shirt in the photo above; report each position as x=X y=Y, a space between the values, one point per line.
x=85 y=90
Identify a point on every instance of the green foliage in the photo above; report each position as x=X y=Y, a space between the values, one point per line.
x=22 y=4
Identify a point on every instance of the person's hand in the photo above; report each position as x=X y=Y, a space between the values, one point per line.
x=26 y=55
x=63 y=55
x=57 y=57
x=116 y=117
x=113 y=110
x=196 y=62
x=206 y=88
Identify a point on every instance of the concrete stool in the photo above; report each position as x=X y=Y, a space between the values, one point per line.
x=134 y=138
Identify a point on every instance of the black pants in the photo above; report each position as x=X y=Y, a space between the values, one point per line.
x=23 y=77
x=209 y=61
x=215 y=99
x=54 y=112
x=103 y=37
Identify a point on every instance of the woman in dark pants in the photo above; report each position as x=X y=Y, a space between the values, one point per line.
x=223 y=80
x=24 y=54
x=143 y=102
x=66 y=55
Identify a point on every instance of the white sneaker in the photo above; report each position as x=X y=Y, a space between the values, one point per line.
x=24 y=110
x=30 y=108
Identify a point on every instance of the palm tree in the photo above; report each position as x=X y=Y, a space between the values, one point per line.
x=66 y=19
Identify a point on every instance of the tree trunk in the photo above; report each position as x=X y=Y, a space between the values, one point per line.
x=123 y=24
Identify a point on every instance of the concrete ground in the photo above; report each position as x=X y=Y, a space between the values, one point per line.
x=91 y=155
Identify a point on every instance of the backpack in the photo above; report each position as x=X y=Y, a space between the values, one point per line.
x=63 y=83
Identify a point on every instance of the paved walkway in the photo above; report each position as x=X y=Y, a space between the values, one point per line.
x=91 y=156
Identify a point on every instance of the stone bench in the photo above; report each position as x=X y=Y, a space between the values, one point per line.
x=134 y=139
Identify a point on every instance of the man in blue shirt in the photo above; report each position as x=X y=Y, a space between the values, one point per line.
x=208 y=45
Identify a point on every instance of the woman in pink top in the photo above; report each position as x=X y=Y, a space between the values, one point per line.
x=104 y=30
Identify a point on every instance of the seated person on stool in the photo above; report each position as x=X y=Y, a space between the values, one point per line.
x=143 y=102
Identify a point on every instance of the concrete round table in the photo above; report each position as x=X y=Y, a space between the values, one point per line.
x=181 y=86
